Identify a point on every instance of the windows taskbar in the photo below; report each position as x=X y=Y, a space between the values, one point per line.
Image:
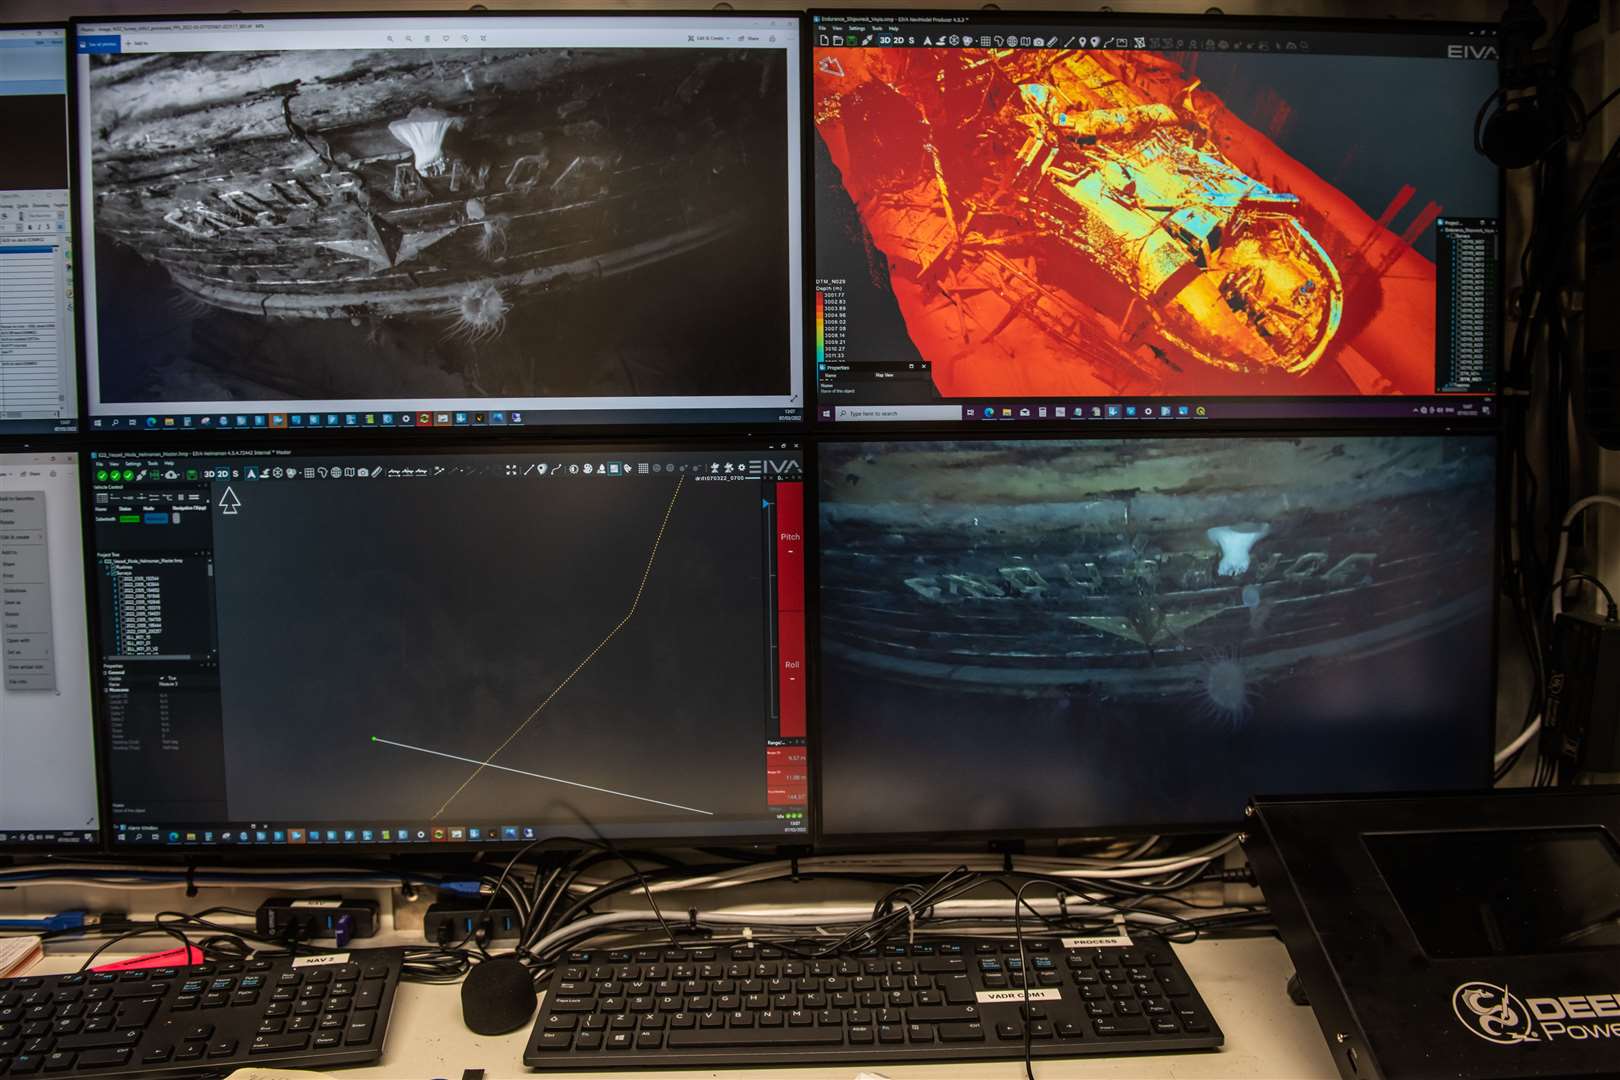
x=1445 y=409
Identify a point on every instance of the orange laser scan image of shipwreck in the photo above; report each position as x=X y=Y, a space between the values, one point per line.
x=1091 y=223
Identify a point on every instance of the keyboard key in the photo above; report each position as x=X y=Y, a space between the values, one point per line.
x=278 y=1044
x=649 y=1039
x=934 y=1014
x=157 y=1055
x=756 y=1036
x=99 y=1040
x=325 y=1040
x=60 y=1061
x=358 y=1032
x=1130 y=1025
x=574 y=1004
x=222 y=1048
x=1070 y=1029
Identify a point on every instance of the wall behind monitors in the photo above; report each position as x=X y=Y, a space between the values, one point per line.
x=38 y=377
x=335 y=646
x=47 y=751
x=1066 y=635
x=464 y=221
x=1090 y=219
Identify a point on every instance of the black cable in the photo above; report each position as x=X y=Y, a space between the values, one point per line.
x=1611 y=614
x=1600 y=106
x=185 y=942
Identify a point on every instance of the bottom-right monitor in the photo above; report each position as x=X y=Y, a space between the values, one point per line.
x=1028 y=635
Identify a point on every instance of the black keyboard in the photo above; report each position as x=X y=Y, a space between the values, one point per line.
x=304 y=1013
x=950 y=999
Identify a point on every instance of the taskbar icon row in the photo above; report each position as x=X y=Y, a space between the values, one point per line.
x=49 y=837
x=1459 y=408
x=313 y=421
x=274 y=836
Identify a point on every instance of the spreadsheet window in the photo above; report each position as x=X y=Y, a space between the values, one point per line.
x=38 y=370
x=36 y=307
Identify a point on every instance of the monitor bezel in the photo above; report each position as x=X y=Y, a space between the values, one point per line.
x=605 y=429
x=581 y=837
x=1012 y=837
x=1104 y=427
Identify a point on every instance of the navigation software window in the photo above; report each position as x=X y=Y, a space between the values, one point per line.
x=1107 y=220
x=38 y=386
x=329 y=647
x=47 y=752
x=451 y=221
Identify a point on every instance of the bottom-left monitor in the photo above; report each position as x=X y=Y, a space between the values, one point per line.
x=47 y=743
x=379 y=647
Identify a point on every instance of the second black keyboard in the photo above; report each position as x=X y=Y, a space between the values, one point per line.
x=308 y=1012
x=941 y=1000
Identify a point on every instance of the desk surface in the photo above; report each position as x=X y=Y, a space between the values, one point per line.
x=1267 y=1037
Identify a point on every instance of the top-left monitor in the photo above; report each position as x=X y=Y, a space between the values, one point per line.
x=38 y=389
x=449 y=221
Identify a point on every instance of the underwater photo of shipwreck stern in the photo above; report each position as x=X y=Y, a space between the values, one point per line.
x=1096 y=222
x=522 y=222
x=1152 y=622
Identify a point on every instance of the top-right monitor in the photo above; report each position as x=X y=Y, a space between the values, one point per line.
x=1072 y=220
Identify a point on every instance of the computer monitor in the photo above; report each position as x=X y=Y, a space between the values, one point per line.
x=38 y=379
x=1076 y=219
x=1066 y=636
x=47 y=748
x=404 y=221
x=342 y=647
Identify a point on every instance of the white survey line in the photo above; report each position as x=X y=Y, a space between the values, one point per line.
x=539 y=776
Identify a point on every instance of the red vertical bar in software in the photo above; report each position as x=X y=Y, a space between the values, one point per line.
x=790 y=609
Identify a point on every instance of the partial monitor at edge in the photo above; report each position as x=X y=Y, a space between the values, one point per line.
x=1066 y=636
x=47 y=748
x=406 y=222
x=39 y=391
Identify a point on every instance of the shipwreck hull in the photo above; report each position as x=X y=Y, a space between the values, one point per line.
x=293 y=197
x=1052 y=569
x=1091 y=183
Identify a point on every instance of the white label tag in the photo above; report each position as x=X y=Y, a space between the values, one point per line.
x=1099 y=941
x=1001 y=997
x=325 y=960
x=316 y=903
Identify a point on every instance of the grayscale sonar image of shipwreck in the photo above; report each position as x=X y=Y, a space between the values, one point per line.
x=444 y=190
x=1147 y=570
